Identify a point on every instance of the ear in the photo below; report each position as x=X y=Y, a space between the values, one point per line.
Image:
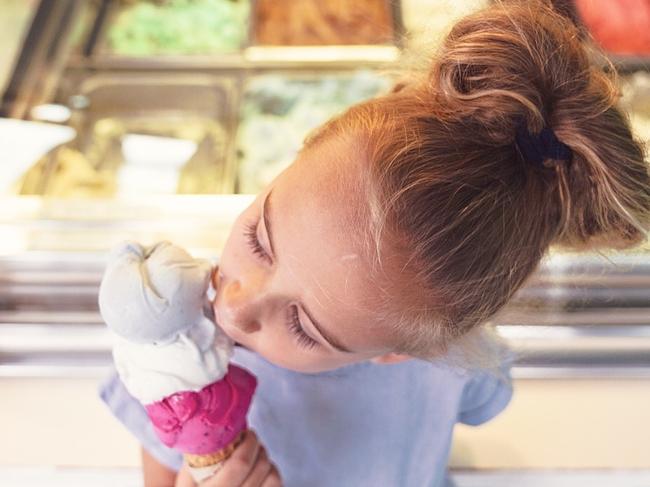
x=391 y=358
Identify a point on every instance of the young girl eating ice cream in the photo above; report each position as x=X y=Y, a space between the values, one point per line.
x=359 y=282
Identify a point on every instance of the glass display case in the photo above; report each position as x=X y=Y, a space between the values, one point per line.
x=158 y=120
x=150 y=134
x=148 y=130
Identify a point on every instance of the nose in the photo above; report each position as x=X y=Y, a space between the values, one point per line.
x=239 y=303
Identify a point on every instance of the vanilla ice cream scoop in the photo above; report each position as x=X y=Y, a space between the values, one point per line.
x=153 y=299
x=150 y=295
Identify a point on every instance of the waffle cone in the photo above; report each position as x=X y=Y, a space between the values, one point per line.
x=209 y=459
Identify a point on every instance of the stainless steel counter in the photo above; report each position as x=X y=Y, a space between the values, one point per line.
x=81 y=347
x=580 y=315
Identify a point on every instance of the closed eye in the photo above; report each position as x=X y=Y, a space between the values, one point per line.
x=254 y=243
x=295 y=327
x=293 y=319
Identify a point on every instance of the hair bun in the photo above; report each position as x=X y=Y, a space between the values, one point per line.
x=513 y=60
x=523 y=61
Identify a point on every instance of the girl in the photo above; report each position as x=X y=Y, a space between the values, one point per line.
x=359 y=280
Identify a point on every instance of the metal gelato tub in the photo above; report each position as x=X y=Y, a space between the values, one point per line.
x=278 y=111
x=143 y=134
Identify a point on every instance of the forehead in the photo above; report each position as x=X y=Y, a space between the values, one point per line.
x=319 y=222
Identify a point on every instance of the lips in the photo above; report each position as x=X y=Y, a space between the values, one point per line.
x=219 y=317
x=216 y=281
x=216 y=277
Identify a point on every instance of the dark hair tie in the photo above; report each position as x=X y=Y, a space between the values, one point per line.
x=538 y=148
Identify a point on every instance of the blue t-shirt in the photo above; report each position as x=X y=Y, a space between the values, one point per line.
x=361 y=425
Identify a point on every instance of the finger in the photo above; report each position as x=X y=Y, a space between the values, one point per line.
x=236 y=468
x=184 y=478
x=273 y=478
x=260 y=470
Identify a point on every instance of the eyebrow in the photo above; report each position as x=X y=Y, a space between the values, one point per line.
x=267 y=224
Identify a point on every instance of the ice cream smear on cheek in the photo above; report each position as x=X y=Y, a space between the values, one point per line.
x=168 y=353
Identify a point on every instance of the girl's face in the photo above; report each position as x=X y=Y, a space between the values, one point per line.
x=292 y=284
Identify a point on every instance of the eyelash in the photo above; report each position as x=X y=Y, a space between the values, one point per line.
x=297 y=330
x=293 y=320
x=254 y=243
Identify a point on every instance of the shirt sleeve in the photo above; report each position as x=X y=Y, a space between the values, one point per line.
x=133 y=416
x=485 y=395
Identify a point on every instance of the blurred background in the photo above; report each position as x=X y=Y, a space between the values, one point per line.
x=160 y=119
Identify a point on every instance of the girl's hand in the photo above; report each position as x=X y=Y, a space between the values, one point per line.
x=248 y=466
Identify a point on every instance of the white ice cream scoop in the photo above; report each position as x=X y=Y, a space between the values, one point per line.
x=152 y=294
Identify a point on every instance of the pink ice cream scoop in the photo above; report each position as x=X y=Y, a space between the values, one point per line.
x=206 y=421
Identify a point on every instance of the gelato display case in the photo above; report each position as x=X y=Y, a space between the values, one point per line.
x=159 y=111
x=166 y=134
x=159 y=120
x=157 y=140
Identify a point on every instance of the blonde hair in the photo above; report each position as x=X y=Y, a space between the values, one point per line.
x=450 y=192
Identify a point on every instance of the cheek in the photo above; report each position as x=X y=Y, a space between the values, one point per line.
x=279 y=348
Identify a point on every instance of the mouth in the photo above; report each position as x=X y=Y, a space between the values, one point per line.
x=215 y=277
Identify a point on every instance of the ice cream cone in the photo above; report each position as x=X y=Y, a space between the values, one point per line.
x=171 y=356
x=203 y=466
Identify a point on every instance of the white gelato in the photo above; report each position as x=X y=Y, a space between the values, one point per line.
x=195 y=359
x=153 y=299
x=151 y=294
